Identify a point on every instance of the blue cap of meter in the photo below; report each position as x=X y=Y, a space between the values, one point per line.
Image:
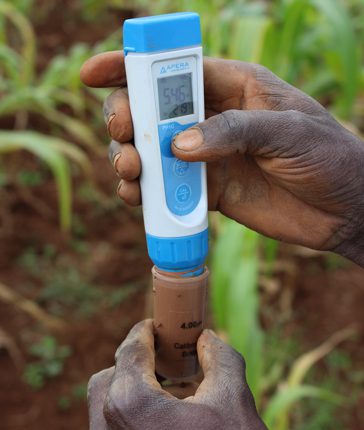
x=158 y=33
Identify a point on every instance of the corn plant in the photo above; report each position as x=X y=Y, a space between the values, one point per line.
x=23 y=91
x=55 y=152
x=235 y=302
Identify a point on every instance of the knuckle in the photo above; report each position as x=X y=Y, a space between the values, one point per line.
x=231 y=121
x=124 y=403
x=130 y=357
x=264 y=74
x=245 y=399
x=92 y=384
x=296 y=122
x=294 y=116
x=237 y=375
x=237 y=361
x=99 y=380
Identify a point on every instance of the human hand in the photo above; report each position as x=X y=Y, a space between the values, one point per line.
x=128 y=396
x=277 y=161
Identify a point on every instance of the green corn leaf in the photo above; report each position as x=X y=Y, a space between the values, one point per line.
x=24 y=6
x=25 y=98
x=235 y=299
x=271 y=248
x=245 y=334
x=11 y=62
x=74 y=127
x=75 y=101
x=224 y=261
x=346 y=48
x=63 y=71
x=304 y=363
x=39 y=145
x=28 y=38
x=288 y=50
x=322 y=83
x=247 y=39
x=270 y=47
x=285 y=399
x=75 y=154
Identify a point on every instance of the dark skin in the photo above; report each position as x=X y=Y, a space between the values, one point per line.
x=129 y=397
x=278 y=163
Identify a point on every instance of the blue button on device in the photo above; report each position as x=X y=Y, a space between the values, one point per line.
x=180 y=167
x=183 y=193
x=183 y=189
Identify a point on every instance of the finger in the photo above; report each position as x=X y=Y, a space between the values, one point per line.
x=231 y=84
x=225 y=83
x=134 y=385
x=117 y=116
x=97 y=390
x=222 y=365
x=129 y=191
x=104 y=70
x=135 y=356
x=225 y=380
x=183 y=390
x=125 y=159
x=224 y=374
x=265 y=133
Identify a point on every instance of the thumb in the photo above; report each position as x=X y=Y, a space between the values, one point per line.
x=223 y=368
x=265 y=133
x=224 y=383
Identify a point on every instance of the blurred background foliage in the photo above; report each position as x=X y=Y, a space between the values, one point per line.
x=315 y=45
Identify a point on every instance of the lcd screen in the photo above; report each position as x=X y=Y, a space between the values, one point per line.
x=175 y=96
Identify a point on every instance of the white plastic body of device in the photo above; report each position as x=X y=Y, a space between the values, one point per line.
x=166 y=96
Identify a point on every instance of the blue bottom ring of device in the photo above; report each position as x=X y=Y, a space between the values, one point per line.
x=183 y=255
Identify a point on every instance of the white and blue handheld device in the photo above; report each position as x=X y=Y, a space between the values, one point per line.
x=163 y=60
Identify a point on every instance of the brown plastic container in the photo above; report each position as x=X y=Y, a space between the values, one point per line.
x=179 y=311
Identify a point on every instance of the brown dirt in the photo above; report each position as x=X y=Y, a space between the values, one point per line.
x=323 y=302
x=94 y=340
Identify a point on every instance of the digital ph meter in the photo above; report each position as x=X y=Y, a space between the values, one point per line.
x=165 y=83
x=163 y=61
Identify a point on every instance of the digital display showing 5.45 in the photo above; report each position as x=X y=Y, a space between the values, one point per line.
x=175 y=96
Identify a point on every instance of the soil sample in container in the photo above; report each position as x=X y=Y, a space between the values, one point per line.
x=179 y=311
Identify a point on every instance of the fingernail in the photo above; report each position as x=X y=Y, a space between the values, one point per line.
x=189 y=140
x=119 y=188
x=109 y=121
x=116 y=159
